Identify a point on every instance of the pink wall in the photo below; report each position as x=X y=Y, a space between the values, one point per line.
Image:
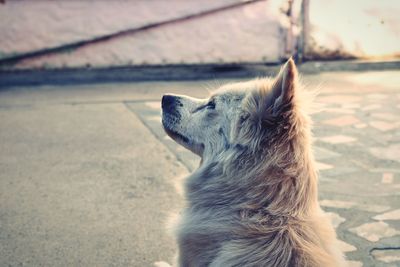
x=249 y=33
x=255 y=32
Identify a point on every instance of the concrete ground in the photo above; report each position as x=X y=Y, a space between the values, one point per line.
x=88 y=178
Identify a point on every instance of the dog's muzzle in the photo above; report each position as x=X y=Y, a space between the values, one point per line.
x=171 y=117
x=169 y=106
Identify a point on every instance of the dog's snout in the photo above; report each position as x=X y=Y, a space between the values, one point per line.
x=168 y=102
x=170 y=107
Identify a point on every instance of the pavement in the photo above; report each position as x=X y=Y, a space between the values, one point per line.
x=88 y=177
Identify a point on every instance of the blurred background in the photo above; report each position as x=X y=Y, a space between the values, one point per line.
x=76 y=34
x=88 y=176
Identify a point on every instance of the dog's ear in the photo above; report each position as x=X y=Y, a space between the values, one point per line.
x=273 y=102
x=283 y=89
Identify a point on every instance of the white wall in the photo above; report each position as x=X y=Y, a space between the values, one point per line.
x=361 y=28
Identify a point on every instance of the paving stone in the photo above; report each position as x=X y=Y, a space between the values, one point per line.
x=386 y=255
x=326 y=180
x=374 y=231
x=323 y=166
x=351 y=105
x=336 y=219
x=337 y=204
x=382 y=139
x=360 y=125
x=323 y=153
x=354 y=264
x=383 y=126
x=380 y=170
x=349 y=204
x=338 y=139
x=377 y=96
x=341 y=171
x=346 y=247
x=371 y=207
x=342 y=121
x=371 y=107
x=340 y=110
x=391 y=215
x=391 y=152
x=387 y=178
x=337 y=99
x=385 y=116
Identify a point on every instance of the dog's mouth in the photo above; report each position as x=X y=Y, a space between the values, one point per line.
x=175 y=135
x=168 y=121
x=181 y=139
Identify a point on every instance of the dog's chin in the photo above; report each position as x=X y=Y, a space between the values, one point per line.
x=183 y=140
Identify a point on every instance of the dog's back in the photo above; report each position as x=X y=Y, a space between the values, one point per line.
x=215 y=233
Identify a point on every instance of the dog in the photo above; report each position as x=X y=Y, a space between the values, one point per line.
x=253 y=199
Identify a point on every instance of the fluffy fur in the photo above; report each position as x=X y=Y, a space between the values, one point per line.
x=253 y=199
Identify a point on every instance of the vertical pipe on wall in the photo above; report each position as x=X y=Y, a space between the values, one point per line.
x=289 y=33
x=305 y=31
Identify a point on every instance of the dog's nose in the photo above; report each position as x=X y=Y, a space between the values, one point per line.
x=167 y=101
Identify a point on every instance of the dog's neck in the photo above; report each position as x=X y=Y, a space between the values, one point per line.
x=284 y=184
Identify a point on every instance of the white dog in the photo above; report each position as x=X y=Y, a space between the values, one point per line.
x=253 y=199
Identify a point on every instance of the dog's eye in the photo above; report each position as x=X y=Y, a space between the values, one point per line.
x=211 y=105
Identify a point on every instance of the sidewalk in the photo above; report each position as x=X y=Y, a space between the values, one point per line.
x=88 y=177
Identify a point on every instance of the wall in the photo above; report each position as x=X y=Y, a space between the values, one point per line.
x=39 y=33
x=356 y=28
x=252 y=32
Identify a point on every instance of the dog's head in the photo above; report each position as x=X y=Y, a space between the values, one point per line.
x=237 y=115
